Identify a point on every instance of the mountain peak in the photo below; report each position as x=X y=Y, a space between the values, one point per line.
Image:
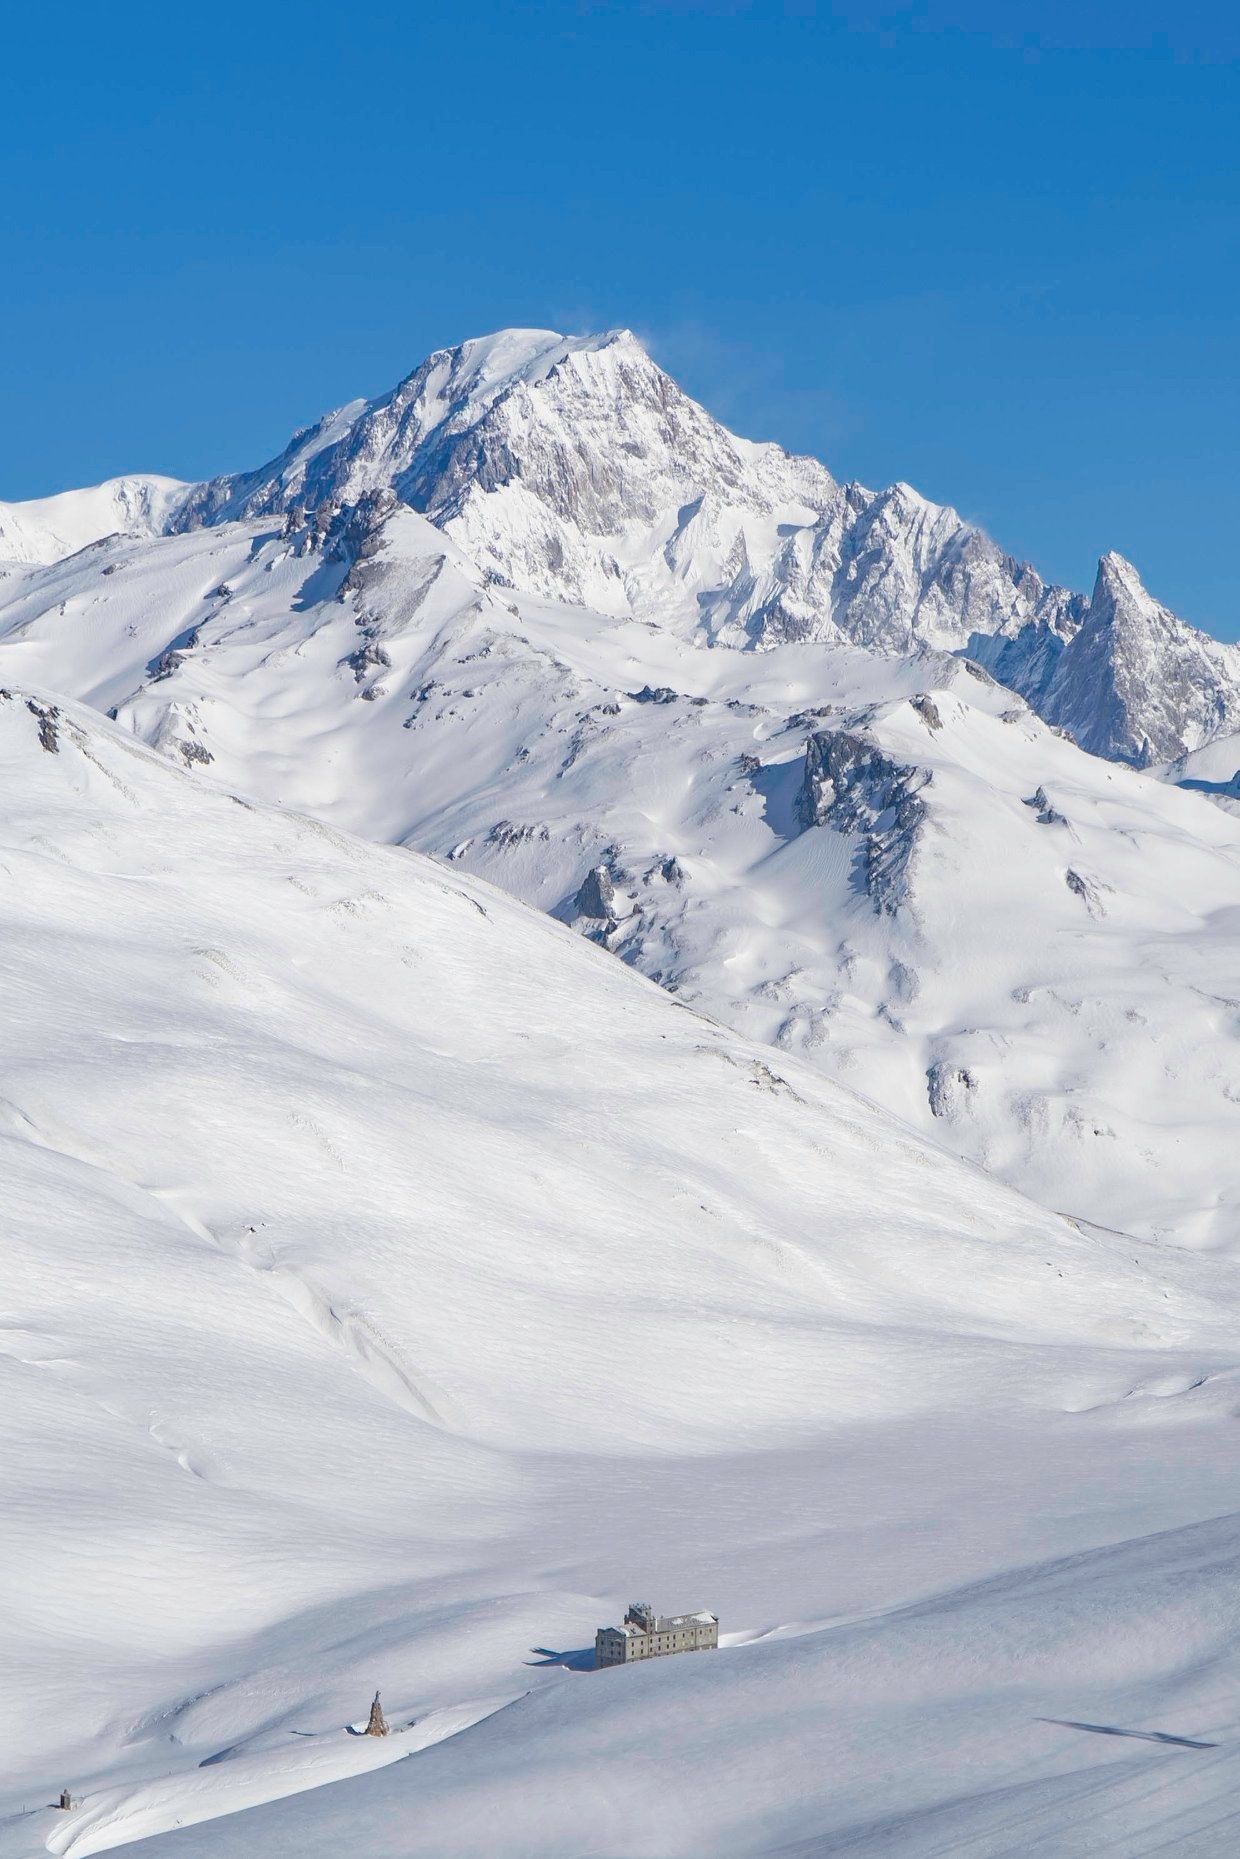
x=433 y=435
x=1117 y=576
x=1136 y=684
x=483 y=367
x=574 y=468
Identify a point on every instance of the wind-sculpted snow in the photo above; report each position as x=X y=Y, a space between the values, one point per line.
x=1213 y=770
x=394 y=1284
x=1080 y=1709
x=941 y=885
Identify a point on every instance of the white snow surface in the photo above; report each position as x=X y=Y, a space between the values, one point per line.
x=1027 y=951
x=1213 y=770
x=45 y=529
x=396 y=1285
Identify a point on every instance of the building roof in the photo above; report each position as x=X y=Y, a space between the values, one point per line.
x=664 y=1623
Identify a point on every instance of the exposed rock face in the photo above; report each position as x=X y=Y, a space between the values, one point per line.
x=852 y=786
x=1089 y=892
x=949 y=1088
x=890 y=571
x=1047 y=814
x=1136 y=684
x=597 y=895
x=47 y=716
x=1119 y=673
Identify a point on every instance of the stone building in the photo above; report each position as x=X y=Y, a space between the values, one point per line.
x=647 y=1635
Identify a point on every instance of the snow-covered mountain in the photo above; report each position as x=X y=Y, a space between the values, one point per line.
x=576 y=468
x=890 y=865
x=394 y=1284
x=45 y=529
x=508 y=614
x=1133 y=682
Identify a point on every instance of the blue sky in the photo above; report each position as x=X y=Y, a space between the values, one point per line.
x=993 y=249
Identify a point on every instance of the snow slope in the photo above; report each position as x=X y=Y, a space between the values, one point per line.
x=45 y=529
x=1025 y=950
x=1214 y=770
x=1019 y=1716
x=394 y=1282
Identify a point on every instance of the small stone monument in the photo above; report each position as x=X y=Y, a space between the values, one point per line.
x=378 y=1725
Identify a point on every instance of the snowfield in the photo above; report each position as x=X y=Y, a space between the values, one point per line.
x=1027 y=951
x=395 y=1283
x=590 y=1014
x=46 y=529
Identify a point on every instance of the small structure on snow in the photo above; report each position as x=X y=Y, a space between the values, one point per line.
x=378 y=1725
x=647 y=1635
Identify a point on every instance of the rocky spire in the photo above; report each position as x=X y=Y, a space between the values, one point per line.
x=1136 y=684
x=378 y=1725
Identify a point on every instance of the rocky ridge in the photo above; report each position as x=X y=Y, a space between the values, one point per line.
x=576 y=469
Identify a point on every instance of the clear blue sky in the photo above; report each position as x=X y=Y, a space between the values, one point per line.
x=990 y=248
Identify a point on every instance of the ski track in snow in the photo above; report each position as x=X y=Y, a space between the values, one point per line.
x=366 y=1351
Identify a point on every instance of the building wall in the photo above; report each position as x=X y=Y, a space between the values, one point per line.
x=613 y=1648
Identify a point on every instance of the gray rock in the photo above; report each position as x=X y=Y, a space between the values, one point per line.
x=597 y=894
x=853 y=786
